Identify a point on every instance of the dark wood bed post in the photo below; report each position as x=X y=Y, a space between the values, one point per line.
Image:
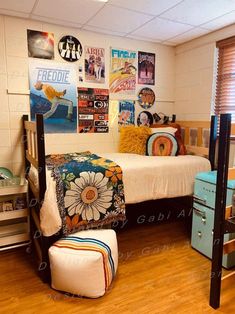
x=44 y=266
x=24 y=140
x=213 y=138
x=220 y=204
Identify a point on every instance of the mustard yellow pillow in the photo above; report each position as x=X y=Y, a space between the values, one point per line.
x=133 y=139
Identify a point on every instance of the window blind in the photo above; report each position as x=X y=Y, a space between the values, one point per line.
x=225 y=81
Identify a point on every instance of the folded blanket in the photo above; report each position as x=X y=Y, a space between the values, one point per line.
x=89 y=190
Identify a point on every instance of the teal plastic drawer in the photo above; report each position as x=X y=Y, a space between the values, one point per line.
x=202 y=234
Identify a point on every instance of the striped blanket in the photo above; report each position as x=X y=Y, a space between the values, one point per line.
x=90 y=244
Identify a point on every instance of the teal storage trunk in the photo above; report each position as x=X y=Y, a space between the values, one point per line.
x=205 y=188
x=203 y=215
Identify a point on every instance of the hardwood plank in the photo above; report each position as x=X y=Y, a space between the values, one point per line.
x=158 y=272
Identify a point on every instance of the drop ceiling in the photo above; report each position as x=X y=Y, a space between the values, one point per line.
x=170 y=22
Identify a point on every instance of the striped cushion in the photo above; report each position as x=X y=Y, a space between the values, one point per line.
x=84 y=263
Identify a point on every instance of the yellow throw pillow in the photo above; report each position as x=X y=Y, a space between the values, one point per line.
x=133 y=139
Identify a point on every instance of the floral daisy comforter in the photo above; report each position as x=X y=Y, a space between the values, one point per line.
x=89 y=190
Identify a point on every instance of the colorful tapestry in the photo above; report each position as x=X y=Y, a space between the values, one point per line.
x=89 y=190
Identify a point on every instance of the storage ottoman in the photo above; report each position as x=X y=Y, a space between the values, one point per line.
x=84 y=263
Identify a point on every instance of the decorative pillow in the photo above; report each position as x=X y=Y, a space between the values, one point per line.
x=161 y=144
x=166 y=129
x=182 y=148
x=133 y=139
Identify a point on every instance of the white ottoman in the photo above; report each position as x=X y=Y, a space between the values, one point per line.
x=84 y=263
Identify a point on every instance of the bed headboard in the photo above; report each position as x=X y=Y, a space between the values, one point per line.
x=34 y=148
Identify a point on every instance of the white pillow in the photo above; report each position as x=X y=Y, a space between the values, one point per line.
x=168 y=129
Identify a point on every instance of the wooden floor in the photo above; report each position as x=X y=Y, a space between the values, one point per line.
x=158 y=273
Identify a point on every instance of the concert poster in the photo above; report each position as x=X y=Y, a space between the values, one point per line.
x=122 y=78
x=146 y=68
x=126 y=114
x=53 y=93
x=94 y=65
x=93 y=110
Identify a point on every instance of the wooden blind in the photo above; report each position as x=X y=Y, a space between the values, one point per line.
x=225 y=82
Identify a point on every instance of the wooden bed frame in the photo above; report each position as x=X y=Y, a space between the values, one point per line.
x=34 y=148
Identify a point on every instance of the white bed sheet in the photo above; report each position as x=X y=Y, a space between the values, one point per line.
x=145 y=178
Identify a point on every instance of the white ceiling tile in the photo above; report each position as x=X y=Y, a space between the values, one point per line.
x=153 y=40
x=56 y=21
x=74 y=11
x=154 y=7
x=118 y=19
x=17 y=5
x=222 y=21
x=196 y=12
x=102 y=30
x=189 y=35
x=161 y=29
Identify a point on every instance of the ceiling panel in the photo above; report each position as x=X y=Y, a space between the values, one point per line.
x=118 y=19
x=56 y=21
x=17 y=5
x=14 y=13
x=103 y=31
x=189 y=35
x=153 y=40
x=162 y=29
x=78 y=11
x=154 y=7
x=222 y=21
x=196 y=12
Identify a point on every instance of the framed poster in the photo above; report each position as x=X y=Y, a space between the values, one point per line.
x=122 y=78
x=146 y=68
x=93 y=109
x=94 y=65
x=53 y=93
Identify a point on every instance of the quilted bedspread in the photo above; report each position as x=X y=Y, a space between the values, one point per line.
x=89 y=190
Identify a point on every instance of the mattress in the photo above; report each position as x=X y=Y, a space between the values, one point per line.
x=145 y=178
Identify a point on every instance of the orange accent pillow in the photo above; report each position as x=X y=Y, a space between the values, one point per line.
x=133 y=139
x=182 y=148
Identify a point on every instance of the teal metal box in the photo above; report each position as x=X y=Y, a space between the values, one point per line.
x=203 y=215
x=205 y=188
x=202 y=234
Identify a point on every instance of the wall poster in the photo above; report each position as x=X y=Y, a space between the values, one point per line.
x=53 y=93
x=93 y=109
x=146 y=68
x=122 y=78
x=40 y=44
x=126 y=114
x=94 y=65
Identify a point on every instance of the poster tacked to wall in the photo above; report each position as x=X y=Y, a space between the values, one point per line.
x=53 y=93
x=94 y=65
x=126 y=114
x=93 y=109
x=146 y=68
x=122 y=79
x=40 y=44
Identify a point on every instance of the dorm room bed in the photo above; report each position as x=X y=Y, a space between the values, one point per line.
x=144 y=177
